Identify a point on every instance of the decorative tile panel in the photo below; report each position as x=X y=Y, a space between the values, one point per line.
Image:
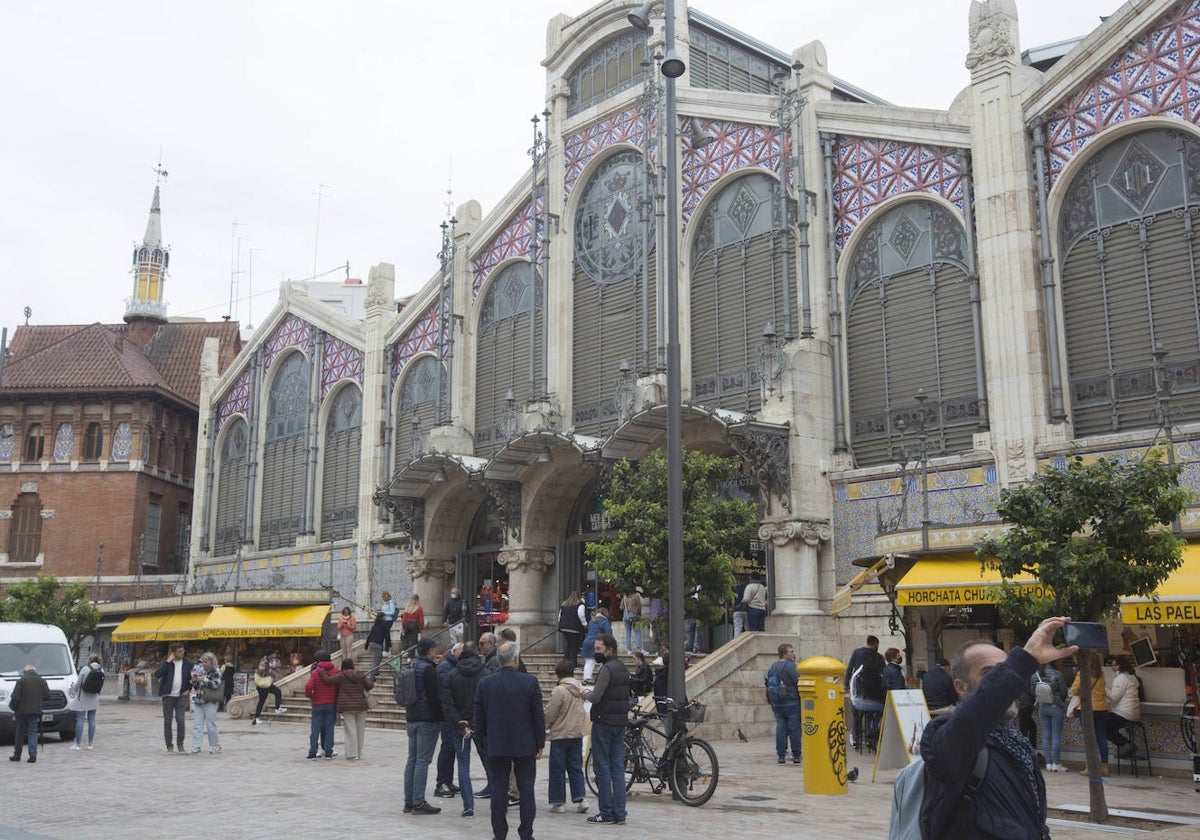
x=341 y=361
x=421 y=337
x=513 y=241
x=581 y=148
x=64 y=442
x=1157 y=75
x=292 y=332
x=868 y=171
x=6 y=442
x=737 y=146
x=236 y=401
x=122 y=443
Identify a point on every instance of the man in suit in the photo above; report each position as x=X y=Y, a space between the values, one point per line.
x=510 y=720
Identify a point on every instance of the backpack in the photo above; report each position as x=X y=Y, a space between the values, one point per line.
x=94 y=681
x=911 y=813
x=775 y=690
x=856 y=684
x=1043 y=692
x=405 y=689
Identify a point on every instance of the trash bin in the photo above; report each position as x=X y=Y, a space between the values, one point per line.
x=823 y=724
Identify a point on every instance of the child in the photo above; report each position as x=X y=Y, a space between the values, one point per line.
x=566 y=724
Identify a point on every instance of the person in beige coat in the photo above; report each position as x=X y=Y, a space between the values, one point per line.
x=566 y=726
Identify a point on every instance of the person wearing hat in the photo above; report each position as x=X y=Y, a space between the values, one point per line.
x=324 y=697
x=424 y=727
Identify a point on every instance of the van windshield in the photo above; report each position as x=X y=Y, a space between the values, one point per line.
x=51 y=659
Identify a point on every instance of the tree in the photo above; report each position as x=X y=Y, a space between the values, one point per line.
x=716 y=531
x=43 y=600
x=1091 y=532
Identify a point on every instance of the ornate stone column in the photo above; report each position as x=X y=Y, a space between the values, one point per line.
x=797 y=545
x=432 y=577
x=527 y=568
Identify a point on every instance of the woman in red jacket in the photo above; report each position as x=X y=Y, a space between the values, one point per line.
x=412 y=622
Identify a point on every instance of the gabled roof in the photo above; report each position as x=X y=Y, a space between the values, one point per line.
x=99 y=357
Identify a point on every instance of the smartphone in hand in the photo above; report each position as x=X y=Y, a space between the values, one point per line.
x=1087 y=634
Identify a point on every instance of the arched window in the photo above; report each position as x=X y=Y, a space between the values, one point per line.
x=416 y=409
x=122 y=444
x=64 y=442
x=25 y=534
x=1129 y=281
x=93 y=442
x=35 y=443
x=614 y=66
x=7 y=442
x=283 y=476
x=339 y=483
x=736 y=290
x=231 y=489
x=909 y=327
x=505 y=361
x=615 y=289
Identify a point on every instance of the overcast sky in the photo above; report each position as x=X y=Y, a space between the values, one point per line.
x=256 y=104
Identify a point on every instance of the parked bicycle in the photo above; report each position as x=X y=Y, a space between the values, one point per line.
x=686 y=764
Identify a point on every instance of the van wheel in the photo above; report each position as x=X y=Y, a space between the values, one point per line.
x=64 y=735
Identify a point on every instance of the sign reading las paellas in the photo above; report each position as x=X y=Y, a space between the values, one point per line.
x=1164 y=612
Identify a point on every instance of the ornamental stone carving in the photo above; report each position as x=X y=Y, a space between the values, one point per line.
x=407 y=512
x=1016 y=460
x=536 y=560
x=434 y=568
x=992 y=27
x=812 y=532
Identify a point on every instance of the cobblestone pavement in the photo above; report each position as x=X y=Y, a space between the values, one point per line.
x=260 y=784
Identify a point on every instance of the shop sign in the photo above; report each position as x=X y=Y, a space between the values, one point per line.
x=1164 y=612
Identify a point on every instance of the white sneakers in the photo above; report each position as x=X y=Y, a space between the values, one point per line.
x=557 y=808
x=581 y=806
x=281 y=710
x=77 y=748
x=1056 y=768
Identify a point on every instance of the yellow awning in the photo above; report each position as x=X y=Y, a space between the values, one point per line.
x=951 y=580
x=185 y=624
x=1178 y=596
x=230 y=622
x=138 y=628
x=841 y=598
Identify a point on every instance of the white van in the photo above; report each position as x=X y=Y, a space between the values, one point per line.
x=45 y=647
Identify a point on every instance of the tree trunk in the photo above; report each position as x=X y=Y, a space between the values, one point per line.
x=1096 y=800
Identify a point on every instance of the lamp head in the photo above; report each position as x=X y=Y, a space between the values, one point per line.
x=672 y=65
x=639 y=18
x=700 y=136
x=544 y=457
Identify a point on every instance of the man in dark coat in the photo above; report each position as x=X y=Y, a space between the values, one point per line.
x=510 y=719
x=610 y=712
x=29 y=697
x=1011 y=801
x=423 y=723
x=940 y=695
x=445 y=786
x=458 y=705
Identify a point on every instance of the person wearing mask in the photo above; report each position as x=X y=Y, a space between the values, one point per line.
x=938 y=687
x=1050 y=695
x=1123 y=704
x=572 y=622
x=412 y=622
x=174 y=677
x=598 y=626
x=610 y=712
x=264 y=684
x=893 y=674
x=207 y=690
x=323 y=695
x=346 y=625
x=30 y=694
x=423 y=725
x=352 y=688
x=458 y=705
x=452 y=615
x=566 y=727
x=786 y=707
x=1095 y=682
x=389 y=610
x=86 y=703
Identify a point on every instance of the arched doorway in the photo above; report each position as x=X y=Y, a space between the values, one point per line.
x=481 y=578
x=586 y=523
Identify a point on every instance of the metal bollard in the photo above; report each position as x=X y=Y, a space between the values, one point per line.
x=823 y=723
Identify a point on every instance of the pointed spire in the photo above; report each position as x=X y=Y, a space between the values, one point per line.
x=153 y=237
x=146 y=307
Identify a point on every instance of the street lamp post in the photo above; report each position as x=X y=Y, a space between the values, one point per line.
x=99 y=570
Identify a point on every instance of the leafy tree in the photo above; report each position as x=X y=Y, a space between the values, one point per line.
x=716 y=531
x=43 y=600
x=1091 y=532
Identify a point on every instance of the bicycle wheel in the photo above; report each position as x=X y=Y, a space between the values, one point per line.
x=1189 y=723
x=589 y=771
x=694 y=772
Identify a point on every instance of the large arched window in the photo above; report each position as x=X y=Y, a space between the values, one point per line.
x=736 y=290
x=1129 y=285
x=25 y=533
x=508 y=357
x=615 y=295
x=283 y=476
x=231 y=489
x=416 y=410
x=614 y=66
x=909 y=327
x=339 y=483
x=35 y=442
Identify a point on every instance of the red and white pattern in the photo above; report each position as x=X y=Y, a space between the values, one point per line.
x=513 y=241
x=867 y=171
x=236 y=401
x=1158 y=75
x=581 y=148
x=421 y=337
x=292 y=332
x=737 y=146
x=341 y=361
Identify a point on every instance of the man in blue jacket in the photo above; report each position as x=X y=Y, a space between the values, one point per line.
x=1011 y=801
x=174 y=681
x=424 y=726
x=510 y=719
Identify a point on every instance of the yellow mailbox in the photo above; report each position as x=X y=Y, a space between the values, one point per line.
x=823 y=722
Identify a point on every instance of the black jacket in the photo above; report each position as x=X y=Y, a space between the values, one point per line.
x=30 y=695
x=939 y=689
x=610 y=697
x=509 y=716
x=428 y=708
x=164 y=674
x=458 y=689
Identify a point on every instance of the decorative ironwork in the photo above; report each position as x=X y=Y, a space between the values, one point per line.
x=505 y=497
x=771 y=362
x=624 y=394
x=765 y=449
x=607 y=247
x=603 y=469
x=407 y=512
x=509 y=423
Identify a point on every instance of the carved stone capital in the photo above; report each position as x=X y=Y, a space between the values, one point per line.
x=812 y=532
x=437 y=568
x=536 y=560
x=993 y=26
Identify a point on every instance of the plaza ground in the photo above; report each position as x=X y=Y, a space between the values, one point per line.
x=262 y=785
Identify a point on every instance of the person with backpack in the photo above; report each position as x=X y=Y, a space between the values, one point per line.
x=85 y=700
x=1008 y=799
x=1124 y=704
x=1050 y=697
x=867 y=696
x=424 y=725
x=783 y=681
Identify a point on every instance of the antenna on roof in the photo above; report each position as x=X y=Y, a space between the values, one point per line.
x=235 y=249
x=449 y=188
x=160 y=174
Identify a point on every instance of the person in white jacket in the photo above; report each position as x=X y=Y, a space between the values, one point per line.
x=85 y=703
x=1123 y=704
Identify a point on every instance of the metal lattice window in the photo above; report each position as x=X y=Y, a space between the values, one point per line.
x=1129 y=283
x=284 y=451
x=153 y=531
x=721 y=64
x=612 y=67
x=231 y=489
x=339 y=482
x=417 y=407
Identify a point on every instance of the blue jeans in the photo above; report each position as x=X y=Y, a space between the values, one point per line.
x=205 y=720
x=446 y=754
x=1050 y=719
x=787 y=725
x=756 y=619
x=632 y=633
x=422 y=741
x=320 y=733
x=90 y=717
x=1100 y=725
x=608 y=744
x=462 y=752
x=26 y=734
x=566 y=763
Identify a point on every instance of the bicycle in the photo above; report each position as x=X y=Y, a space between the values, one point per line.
x=687 y=764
